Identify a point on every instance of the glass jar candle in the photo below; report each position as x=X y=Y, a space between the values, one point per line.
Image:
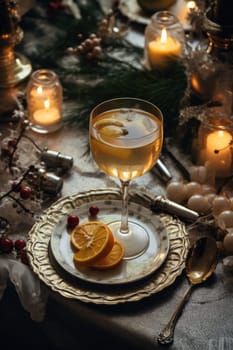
x=164 y=40
x=214 y=145
x=44 y=101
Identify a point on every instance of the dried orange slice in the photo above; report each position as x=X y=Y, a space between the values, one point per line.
x=112 y=259
x=92 y=240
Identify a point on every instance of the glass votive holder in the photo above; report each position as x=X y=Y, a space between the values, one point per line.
x=164 y=41
x=214 y=146
x=44 y=101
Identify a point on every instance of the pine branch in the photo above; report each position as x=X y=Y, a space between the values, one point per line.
x=119 y=72
x=122 y=81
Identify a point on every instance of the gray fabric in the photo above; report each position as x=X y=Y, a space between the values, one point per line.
x=205 y=324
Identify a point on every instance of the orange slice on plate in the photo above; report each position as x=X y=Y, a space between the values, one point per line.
x=112 y=259
x=91 y=240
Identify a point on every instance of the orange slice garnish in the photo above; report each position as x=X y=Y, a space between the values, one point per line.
x=91 y=240
x=112 y=259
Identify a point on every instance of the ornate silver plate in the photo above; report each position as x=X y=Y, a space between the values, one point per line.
x=45 y=261
x=132 y=10
x=129 y=270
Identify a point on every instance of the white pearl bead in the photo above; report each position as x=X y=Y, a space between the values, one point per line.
x=225 y=219
x=193 y=188
x=176 y=192
x=198 y=174
x=228 y=243
x=220 y=203
x=198 y=203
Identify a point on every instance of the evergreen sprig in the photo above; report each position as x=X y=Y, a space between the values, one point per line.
x=125 y=81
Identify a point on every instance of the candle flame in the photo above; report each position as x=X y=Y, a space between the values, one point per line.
x=163 y=36
x=47 y=104
x=39 y=90
x=221 y=133
x=191 y=6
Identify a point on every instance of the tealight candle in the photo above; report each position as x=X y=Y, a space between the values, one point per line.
x=44 y=100
x=46 y=116
x=218 y=152
x=164 y=38
x=213 y=146
x=163 y=51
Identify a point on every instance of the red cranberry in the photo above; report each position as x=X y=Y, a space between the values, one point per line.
x=93 y=210
x=6 y=245
x=72 y=221
x=25 y=192
x=19 y=244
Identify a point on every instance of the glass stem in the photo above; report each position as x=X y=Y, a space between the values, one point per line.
x=124 y=214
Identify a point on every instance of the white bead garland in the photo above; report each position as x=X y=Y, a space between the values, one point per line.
x=225 y=219
x=200 y=195
x=193 y=188
x=220 y=203
x=199 y=203
x=176 y=191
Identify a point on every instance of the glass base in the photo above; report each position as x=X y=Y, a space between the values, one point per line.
x=45 y=130
x=135 y=242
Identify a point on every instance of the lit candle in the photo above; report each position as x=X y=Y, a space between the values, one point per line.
x=218 y=152
x=191 y=6
x=185 y=9
x=163 y=51
x=47 y=116
x=44 y=101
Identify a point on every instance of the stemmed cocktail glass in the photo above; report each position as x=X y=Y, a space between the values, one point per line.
x=126 y=136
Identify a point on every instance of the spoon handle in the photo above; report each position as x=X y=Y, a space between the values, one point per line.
x=166 y=335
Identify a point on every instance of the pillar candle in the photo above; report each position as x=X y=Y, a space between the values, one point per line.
x=46 y=116
x=218 y=152
x=44 y=101
x=163 y=51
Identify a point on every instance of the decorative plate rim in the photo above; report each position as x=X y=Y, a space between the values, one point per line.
x=129 y=270
x=40 y=258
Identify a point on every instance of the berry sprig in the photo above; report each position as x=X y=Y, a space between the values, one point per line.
x=10 y=146
x=7 y=246
x=32 y=184
x=89 y=47
x=24 y=192
x=215 y=209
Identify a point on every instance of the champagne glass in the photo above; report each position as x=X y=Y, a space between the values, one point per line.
x=126 y=136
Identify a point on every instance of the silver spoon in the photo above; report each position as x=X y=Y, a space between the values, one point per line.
x=201 y=262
